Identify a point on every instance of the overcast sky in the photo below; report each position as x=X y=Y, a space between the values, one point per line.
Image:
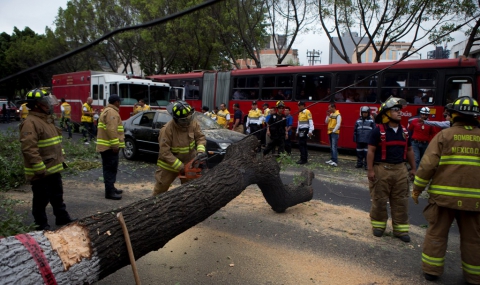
x=37 y=14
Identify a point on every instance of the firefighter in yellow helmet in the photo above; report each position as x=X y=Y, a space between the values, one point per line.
x=43 y=158
x=388 y=148
x=180 y=141
x=451 y=164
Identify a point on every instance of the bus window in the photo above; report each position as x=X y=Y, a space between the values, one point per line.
x=245 y=88
x=361 y=88
x=414 y=87
x=95 y=92
x=458 y=87
x=277 y=87
x=313 y=87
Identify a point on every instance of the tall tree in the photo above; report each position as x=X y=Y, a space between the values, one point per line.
x=473 y=32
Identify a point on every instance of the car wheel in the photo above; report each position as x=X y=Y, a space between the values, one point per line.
x=130 y=150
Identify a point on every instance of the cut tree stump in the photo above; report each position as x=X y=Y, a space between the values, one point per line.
x=92 y=248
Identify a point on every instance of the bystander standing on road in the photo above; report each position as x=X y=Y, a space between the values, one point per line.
x=276 y=129
x=388 y=148
x=87 y=121
x=289 y=124
x=180 y=141
x=223 y=116
x=140 y=107
x=361 y=134
x=421 y=134
x=304 y=131
x=43 y=158
x=333 y=121
x=454 y=192
x=66 y=110
x=110 y=139
x=237 y=119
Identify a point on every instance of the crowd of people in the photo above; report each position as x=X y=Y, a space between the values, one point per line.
x=442 y=162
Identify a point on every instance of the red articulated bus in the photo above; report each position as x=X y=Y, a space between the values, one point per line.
x=432 y=83
x=76 y=87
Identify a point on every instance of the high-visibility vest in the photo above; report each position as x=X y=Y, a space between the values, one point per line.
x=87 y=118
x=333 y=122
x=24 y=110
x=67 y=110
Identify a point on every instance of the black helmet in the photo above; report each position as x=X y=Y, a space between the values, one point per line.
x=41 y=96
x=464 y=105
x=182 y=113
x=387 y=105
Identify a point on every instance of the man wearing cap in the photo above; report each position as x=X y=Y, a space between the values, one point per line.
x=304 y=131
x=110 y=139
x=254 y=121
x=237 y=119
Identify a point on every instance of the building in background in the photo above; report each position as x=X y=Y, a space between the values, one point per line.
x=458 y=49
x=349 y=45
x=394 y=52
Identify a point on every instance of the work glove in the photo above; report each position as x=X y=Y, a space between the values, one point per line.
x=201 y=155
x=415 y=194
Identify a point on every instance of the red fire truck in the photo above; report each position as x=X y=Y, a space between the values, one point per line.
x=76 y=87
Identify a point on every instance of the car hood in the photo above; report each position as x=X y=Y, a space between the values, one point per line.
x=223 y=135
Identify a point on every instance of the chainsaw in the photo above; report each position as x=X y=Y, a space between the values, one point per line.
x=194 y=168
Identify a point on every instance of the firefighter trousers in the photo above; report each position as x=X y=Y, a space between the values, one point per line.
x=435 y=244
x=163 y=180
x=390 y=185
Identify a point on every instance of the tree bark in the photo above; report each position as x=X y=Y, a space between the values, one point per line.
x=94 y=247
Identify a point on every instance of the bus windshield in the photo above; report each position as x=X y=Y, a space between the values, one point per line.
x=152 y=95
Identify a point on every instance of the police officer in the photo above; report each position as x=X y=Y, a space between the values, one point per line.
x=361 y=134
x=66 y=110
x=43 y=158
x=254 y=120
x=177 y=145
x=304 y=131
x=450 y=164
x=388 y=147
x=110 y=139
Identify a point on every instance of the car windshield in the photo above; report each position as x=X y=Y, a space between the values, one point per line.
x=206 y=123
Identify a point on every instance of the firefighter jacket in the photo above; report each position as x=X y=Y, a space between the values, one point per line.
x=179 y=145
x=305 y=121
x=334 y=121
x=85 y=117
x=363 y=127
x=24 y=110
x=66 y=110
x=110 y=133
x=420 y=131
x=451 y=161
x=41 y=145
x=223 y=118
x=139 y=109
x=254 y=117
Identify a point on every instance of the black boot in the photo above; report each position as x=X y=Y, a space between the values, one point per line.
x=118 y=191
x=110 y=194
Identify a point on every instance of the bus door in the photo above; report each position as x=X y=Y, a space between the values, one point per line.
x=99 y=91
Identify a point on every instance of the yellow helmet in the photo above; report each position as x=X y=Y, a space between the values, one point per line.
x=280 y=104
x=387 y=105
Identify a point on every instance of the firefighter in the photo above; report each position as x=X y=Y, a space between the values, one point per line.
x=43 y=158
x=140 y=107
x=223 y=116
x=110 y=139
x=388 y=147
x=24 y=111
x=254 y=121
x=361 y=133
x=450 y=164
x=304 y=131
x=421 y=134
x=66 y=117
x=180 y=141
x=87 y=120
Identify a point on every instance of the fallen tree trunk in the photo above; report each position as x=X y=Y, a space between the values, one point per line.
x=94 y=247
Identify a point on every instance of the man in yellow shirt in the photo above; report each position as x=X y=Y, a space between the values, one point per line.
x=223 y=116
x=140 y=107
x=334 y=121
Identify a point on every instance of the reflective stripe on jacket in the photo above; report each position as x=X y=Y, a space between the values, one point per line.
x=254 y=117
x=305 y=121
x=110 y=133
x=179 y=145
x=87 y=118
x=452 y=162
x=332 y=122
x=67 y=110
x=41 y=145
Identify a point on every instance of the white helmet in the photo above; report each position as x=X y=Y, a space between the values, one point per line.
x=425 y=111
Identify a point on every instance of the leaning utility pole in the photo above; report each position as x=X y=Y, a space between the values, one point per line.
x=312 y=55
